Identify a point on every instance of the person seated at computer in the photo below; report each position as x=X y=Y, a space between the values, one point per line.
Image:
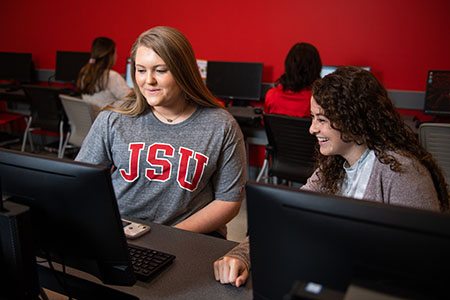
x=97 y=82
x=178 y=156
x=366 y=152
x=292 y=95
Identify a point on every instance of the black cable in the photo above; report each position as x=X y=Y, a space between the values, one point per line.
x=49 y=78
x=43 y=294
x=63 y=283
x=64 y=276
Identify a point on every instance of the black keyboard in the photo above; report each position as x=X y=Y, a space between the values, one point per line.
x=147 y=262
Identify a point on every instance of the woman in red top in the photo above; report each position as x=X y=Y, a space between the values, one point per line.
x=292 y=96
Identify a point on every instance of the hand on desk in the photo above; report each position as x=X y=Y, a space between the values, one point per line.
x=230 y=270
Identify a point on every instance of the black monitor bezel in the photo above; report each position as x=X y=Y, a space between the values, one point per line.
x=69 y=64
x=330 y=240
x=21 y=67
x=220 y=82
x=426 y=109
x=75 y=216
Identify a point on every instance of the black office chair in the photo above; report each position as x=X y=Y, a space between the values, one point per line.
x=47 y=114
x=290 y=152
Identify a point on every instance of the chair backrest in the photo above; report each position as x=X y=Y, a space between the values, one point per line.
x=291 y=147
x=81 y=117
x=435 y=138
x=45 y=107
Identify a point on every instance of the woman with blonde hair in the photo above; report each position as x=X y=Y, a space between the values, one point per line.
x=97 y=82
x=178 y=156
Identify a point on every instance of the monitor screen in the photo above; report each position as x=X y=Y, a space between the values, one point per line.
x=333 y=241
x=17 y=67
x=330 y=69
x=437 y=94
x=69 y=64
x=74 y=213
x=234 y=80
x=128 y=73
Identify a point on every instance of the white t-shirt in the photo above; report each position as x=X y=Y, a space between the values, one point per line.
x=357 y=176
x=115 y=89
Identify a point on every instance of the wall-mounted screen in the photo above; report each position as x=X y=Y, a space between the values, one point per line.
x=437 y=94
x=234 y=80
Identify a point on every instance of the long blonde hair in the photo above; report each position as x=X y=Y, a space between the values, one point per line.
x=177 y=53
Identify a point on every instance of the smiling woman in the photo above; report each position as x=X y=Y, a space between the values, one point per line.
x=366 y=152
x=158 y=86
x=330 y=142
x=178 y=156
x=355 y=106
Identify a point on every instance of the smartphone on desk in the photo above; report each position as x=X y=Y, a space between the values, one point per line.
x=133 y=230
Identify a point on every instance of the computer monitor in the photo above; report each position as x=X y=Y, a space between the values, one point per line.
x=437 y=94
x=330 y=69
x=234 y=80
x=128 y=73
x=16 y=67
x=69 y=64
x=334 y=241
x=74 y=213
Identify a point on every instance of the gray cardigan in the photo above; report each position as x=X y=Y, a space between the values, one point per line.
x=413 y=187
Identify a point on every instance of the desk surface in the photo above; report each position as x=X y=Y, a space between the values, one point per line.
x=191 y=275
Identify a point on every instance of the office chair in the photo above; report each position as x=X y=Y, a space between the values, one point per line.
x=290 y=152
x=435 y=138
x=81 y=117
x=46 y=114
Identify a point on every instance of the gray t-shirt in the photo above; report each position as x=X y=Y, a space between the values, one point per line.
x=164 y=173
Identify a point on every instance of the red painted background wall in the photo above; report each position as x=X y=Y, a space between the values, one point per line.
x=399 y=39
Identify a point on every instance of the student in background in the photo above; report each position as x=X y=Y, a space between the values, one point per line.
x=291 y=97
x=97 y=82
x=178 y=156
x=366 y=152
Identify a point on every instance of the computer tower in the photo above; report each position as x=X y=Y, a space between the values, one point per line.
x=18 y=271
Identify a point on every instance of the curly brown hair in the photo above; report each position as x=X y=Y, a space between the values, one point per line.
x=358 y=106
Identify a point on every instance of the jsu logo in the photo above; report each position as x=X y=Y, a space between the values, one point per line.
x=159 y=166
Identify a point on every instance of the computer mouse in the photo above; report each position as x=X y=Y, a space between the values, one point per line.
x=258 y=110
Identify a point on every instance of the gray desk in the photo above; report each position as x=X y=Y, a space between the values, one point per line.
x=191 y=275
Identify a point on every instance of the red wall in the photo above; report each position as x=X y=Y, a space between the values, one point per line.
x=399 y=39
